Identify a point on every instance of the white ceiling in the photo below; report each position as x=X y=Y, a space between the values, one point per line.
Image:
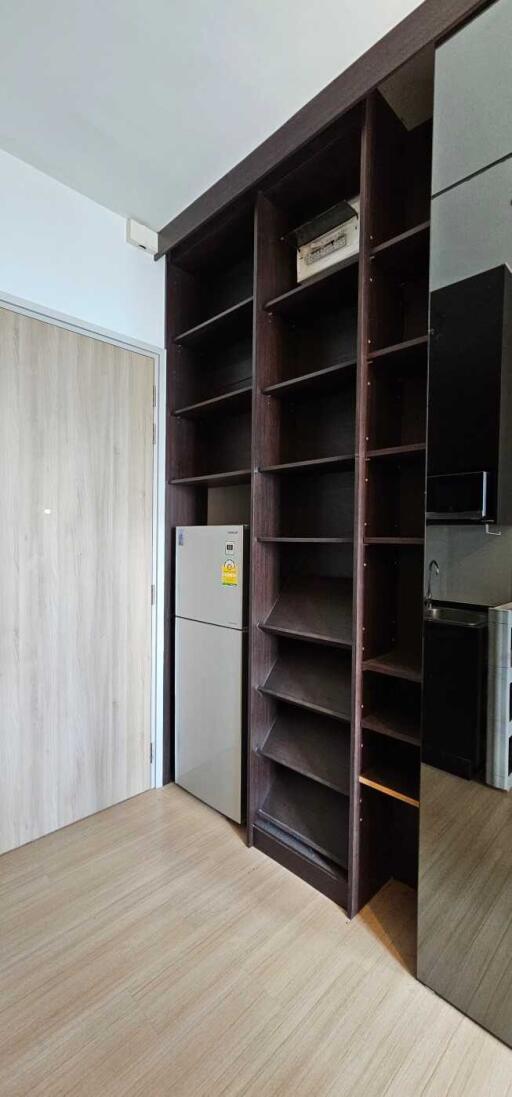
x=142 y=104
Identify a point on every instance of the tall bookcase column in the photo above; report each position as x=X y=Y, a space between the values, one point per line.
x=209 y=291
x=392 y=418
x=303 y=523
x=271 y=273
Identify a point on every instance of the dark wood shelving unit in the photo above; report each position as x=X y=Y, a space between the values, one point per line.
x=210 y=287
x=393 y=380
x=300 y=408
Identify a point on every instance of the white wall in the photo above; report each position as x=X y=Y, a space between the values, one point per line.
x=142 y=106
x=64 y=252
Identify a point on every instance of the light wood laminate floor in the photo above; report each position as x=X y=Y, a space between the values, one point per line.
x=145 y=952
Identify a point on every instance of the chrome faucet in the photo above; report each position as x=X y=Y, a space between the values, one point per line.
x=433 y=566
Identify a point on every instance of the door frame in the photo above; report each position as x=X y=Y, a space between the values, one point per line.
x=158 y=354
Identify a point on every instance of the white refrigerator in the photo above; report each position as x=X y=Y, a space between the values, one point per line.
x=209 y=664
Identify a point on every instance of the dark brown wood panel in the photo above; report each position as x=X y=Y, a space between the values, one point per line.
x=320 y=872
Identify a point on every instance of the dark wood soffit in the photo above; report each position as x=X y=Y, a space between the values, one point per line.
x=428 y=23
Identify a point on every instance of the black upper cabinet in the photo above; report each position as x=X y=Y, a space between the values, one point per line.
x=470 y=398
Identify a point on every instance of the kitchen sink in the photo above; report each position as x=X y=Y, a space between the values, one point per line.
x=451 y=615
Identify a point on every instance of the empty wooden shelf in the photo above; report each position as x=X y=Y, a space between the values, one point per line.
x=327 y=379
x=217 y=446
x=391 y=782
x=326 y=286
x=392 y=708
x=393 y=723
x=394 y=540
x=310 y=812
x=314 y=608
x=315 y=464
x=315 y=746
x=397 y=353
x=409 y=449
x=227 y=403
x=312 y=678
x=306 y=540
x=398 y=664
x=216 y=479
x=230 y=322
x=406 y=252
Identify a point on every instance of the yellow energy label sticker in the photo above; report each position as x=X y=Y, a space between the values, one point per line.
x=229 y=574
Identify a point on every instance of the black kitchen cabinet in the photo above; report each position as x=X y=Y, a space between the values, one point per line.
x=454 y=696
x=470 y=400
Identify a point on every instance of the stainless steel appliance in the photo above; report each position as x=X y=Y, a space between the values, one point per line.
x=209 y=664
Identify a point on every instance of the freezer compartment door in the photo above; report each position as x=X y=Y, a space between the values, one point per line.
x=209 y=665
x=209 y=574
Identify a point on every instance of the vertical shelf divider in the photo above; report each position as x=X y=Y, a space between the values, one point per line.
x=389 y=503
x=357 y=869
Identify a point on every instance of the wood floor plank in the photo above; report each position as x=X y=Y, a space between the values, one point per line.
x=147 y=951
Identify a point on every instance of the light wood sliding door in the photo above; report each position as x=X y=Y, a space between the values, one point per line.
x=76 y=498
